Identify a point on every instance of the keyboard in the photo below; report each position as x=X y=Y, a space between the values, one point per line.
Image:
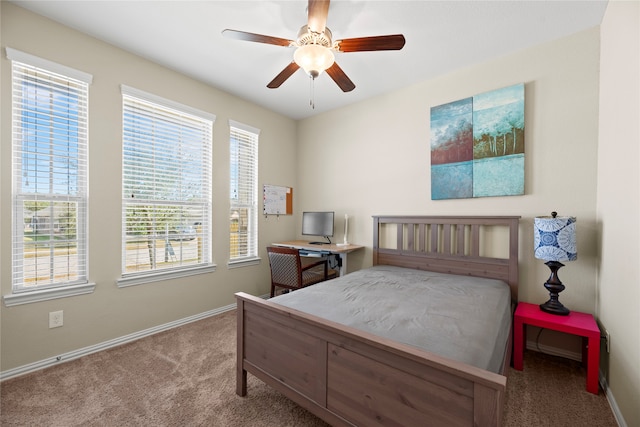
x=315 y=254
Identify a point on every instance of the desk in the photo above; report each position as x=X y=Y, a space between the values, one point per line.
x=339 y=250
x=576 y=323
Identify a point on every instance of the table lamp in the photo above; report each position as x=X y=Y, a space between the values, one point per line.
x=554 y=241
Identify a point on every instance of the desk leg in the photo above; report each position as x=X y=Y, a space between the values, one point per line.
x=593 y=363
x=518 y=343
x=343 y=264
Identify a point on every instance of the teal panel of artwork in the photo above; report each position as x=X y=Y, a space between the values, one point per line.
x=452 y=150
x=477 y=146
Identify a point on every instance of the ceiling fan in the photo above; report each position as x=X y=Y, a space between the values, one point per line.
x=314 y=47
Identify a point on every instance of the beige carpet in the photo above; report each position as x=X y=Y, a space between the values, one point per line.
x=186 y=377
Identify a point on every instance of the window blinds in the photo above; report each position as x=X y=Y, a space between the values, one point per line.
x=50 y=115
x=166 y=185
x=243 y=147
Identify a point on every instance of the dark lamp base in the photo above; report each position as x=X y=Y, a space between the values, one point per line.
x=554 y=286
x=554 y=307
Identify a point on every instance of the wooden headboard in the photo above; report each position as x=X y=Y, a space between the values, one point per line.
x=448 y=244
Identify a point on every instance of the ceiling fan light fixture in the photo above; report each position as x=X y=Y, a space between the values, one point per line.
x=313 y=59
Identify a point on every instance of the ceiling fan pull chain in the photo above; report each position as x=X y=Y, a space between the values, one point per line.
x=312 y=87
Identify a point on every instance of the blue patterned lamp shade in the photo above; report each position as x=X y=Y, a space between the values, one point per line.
x=555 y=238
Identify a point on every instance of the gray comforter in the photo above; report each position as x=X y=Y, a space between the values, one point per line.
x=460 y=317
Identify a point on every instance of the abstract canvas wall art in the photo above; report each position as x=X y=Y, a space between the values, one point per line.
x=477 y=146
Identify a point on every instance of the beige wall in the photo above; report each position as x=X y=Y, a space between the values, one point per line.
x=111 y=312
x=618 y=213
x=379 y=156
x=374 y=156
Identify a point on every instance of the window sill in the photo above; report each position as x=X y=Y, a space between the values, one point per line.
x=244 y=262
x=47 y=294
x=125 y=282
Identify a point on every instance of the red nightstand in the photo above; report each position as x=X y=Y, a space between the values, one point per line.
x=576 y=323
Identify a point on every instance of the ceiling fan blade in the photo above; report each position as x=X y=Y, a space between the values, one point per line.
x=259 y=38
x=283 y=76
x=317 y=12
x=364 y=44
x=341 y=79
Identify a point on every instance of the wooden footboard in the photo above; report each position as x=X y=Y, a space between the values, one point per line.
x=349 y=377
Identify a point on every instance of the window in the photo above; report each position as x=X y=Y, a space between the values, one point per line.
x=49 y=204
x=166 y=209
x=243 y=148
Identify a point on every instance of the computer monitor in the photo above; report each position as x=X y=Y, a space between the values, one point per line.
x=318 y=224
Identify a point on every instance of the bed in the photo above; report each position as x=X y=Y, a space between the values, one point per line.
x=348 y=374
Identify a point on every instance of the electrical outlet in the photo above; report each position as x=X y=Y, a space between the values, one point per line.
x=55 y=319
x=608 y=341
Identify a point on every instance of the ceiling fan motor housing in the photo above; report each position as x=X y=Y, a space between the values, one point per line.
x=306 y=37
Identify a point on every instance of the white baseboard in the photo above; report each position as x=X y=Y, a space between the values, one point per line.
x=612 y=402
x=66 y=357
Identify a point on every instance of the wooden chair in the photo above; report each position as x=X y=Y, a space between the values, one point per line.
x=288 y=272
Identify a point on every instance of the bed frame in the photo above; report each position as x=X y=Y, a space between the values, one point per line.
x=349 y=377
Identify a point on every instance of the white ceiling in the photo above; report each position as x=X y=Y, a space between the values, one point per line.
x=441 y=36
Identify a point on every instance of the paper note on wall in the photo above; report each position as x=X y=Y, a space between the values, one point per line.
x=277 y=200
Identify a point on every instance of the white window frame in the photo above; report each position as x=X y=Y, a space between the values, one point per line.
x=64 y=166
x=243 y=179
x=144 y=182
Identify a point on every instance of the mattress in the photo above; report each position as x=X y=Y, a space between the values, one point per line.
x=463 y=318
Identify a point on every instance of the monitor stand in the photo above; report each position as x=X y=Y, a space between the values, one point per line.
x=328 y=242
